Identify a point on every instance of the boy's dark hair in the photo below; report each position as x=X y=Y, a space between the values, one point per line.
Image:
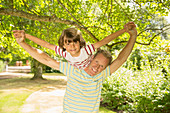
x=71 y=35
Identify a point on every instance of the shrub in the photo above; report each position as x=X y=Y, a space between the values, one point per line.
x=137 y=91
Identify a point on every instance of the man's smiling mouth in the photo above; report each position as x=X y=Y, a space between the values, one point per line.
x=94 y=70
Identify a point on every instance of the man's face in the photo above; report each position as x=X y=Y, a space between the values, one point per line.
x=97 y=65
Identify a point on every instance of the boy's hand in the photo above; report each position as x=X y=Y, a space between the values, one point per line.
x=130 y=28
x=19 y=35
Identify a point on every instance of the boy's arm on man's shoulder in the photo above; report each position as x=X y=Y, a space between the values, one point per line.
x=40 y=42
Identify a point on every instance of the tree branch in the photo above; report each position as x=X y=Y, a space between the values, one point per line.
x=82 y=26
x=69 y=12
x=14 y=12
x=70 y=6
x=96 y=27
x=154 y=37
x=110 y=46
x=110 y=11
x=105 y=11
x=137 y=3
x=25 y=4
x=124 y=11
x=164 y=4
x=153 y=29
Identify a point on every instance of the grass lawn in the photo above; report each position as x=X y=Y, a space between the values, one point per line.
x=10 y=101
x=14 y=91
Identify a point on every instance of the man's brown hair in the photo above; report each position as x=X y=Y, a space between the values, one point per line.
x=71 y=35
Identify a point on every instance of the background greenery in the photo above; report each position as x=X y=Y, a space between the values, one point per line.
x=46 y=19
x=142 y=83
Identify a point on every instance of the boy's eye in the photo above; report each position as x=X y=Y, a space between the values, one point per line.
x=76 y=42
x=67 y=43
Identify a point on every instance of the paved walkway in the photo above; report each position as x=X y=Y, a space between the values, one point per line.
x=47 y=100
x=44 y=102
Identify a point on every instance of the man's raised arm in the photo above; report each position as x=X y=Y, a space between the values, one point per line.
x=35 y=53
x=123 y=55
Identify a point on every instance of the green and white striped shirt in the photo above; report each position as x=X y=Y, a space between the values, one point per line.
x=83 y=91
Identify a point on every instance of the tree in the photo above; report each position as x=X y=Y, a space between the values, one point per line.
x=95 y=18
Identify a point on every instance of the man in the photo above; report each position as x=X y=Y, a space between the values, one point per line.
x=84 y=86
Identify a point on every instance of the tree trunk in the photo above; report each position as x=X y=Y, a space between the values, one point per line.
x=37 y=69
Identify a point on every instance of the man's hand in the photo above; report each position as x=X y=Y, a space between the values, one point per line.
x=19 y=35
x=130 y=28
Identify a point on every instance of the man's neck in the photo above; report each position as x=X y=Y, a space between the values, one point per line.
x=86 y=70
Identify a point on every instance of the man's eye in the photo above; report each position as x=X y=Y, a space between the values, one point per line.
x=101 y=66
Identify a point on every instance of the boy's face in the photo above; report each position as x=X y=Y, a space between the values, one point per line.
x=73 y=47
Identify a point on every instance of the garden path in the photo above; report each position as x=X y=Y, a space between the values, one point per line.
x=46 y=100
x=49 y=100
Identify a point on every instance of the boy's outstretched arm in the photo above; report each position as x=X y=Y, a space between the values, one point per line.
x=124 y=54
x=37 y=40
x=35 y=53
x=111 y=37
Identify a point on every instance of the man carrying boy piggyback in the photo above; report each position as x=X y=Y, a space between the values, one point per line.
x=84 y=85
